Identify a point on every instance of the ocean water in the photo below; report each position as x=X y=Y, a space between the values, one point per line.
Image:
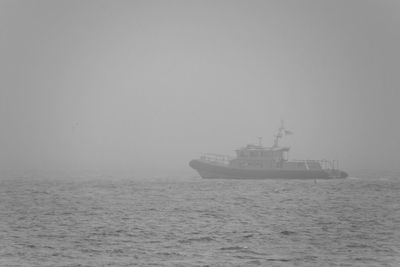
x=189 y=221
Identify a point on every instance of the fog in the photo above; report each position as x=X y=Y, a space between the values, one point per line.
x=150 y=85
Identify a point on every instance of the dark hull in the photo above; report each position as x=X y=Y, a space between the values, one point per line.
x=214 y=171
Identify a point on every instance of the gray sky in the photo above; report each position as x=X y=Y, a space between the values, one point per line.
x=129 y=85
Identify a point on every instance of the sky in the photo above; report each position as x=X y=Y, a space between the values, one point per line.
x=150 y=85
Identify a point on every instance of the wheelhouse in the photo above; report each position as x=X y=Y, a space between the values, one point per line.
x=259 y=156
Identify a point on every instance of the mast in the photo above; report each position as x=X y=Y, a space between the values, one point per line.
x=281 y=132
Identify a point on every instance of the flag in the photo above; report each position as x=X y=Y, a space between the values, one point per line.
x=287 y=132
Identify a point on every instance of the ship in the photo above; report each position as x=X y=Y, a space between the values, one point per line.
x=259 y=162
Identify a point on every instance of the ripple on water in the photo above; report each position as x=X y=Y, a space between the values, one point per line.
x=100 y=222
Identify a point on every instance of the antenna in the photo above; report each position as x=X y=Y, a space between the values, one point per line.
x=281 y=132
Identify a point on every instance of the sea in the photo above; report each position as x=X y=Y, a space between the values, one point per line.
x=189 y=221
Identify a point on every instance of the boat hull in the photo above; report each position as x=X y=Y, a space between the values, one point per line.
x=217 y=171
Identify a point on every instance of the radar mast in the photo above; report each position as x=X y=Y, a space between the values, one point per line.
x=281 y=133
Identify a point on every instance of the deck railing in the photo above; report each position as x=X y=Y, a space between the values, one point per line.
x=226 y=159
x=325 y=164
x=217 y=158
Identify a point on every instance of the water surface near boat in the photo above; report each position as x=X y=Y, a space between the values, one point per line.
x=188 y=221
